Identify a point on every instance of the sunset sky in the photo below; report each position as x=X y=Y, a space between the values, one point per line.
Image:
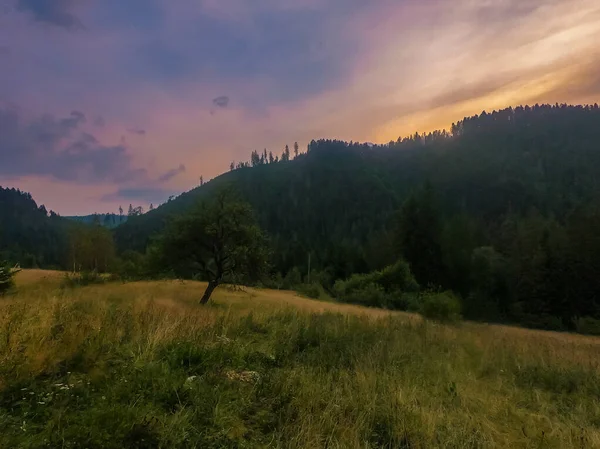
x=111 y=102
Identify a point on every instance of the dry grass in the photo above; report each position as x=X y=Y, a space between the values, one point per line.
x=359 y=378
x=28 y=277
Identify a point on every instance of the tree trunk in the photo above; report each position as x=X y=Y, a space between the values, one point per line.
x=209 y=290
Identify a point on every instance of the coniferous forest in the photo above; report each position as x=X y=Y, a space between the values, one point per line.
x=502 y=210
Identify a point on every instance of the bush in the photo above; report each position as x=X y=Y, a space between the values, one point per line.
x=313 y=290
x=7 y=274
x=370 y=295
x=443 y=307
x=82 y=279
x=292 y=279
x=587 y=325
x=384 y=288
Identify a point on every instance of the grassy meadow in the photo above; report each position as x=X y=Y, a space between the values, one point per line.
x=141 y=365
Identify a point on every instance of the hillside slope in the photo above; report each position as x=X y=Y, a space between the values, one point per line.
x=338 y=200
x=141 y=365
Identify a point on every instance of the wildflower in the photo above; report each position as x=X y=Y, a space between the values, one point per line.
x=224 y=339
x=189 y=381
x=243 y=376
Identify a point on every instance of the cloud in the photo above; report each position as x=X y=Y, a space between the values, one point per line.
x=4 y=50
x=53 y=12
x=138 y=131
x=221 y=102
x=146 y=195
x=291 y=69
x=60 y=148
x=172 y=173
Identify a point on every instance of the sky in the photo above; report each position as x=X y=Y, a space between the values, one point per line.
x=112 y=102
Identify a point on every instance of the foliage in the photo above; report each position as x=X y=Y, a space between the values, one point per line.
x=30 y=235
x=587 y=325
x=83 y=278
x=217 y=240
x=419 y=237
x=381 y=288
x=7 y=274
x=489 y=285
x=91 y=248
x=313 y=290
x=440 y=306
x=370 y=295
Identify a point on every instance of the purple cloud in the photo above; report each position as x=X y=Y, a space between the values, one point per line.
x=60 y=148
x=147 y=195
x=53 y=12
x=172 y=173
x=138 y=131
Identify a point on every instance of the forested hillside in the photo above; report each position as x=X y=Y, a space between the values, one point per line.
x=505 y=205
x=30 y=235
x=339 y=196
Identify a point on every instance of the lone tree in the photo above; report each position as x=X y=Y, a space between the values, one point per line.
x=217 y=240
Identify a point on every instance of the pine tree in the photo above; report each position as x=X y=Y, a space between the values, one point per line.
x=295 y=149
x=286 y=154
x=254 y=158
x=419 y=237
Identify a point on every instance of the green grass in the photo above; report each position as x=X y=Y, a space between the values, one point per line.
x=141 y=366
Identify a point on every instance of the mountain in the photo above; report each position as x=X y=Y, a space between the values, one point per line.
x=338 y=200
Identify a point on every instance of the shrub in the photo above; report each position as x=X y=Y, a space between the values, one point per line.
x=82 y=279
x=397 y=277
x=384 y=288
x=443 y=307
x=7 y=274
x=587 y=325
x=371 y=295
x=313 y=290
x=292 y=279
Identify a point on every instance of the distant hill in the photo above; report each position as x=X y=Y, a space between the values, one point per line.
x=110 y=221
x=339 y=199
